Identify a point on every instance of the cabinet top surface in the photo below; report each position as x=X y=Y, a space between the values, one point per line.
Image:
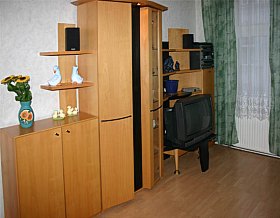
x=49 y=123
x=141 y=3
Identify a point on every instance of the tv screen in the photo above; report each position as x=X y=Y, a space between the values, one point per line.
x=190 y=118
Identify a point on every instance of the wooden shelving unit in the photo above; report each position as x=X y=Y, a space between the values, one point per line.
x=65 y=86
x=201 y=78
x=62 y=53
x=151 y=95
x=66 y=60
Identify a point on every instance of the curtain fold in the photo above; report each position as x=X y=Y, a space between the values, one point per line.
x=219 y=29
x=274 y=59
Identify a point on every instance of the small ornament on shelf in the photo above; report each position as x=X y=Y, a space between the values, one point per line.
x=58 y=115
x=72 y=111
x=56 y=79
x=76 y=78
x=168 y=65
x=177 y=66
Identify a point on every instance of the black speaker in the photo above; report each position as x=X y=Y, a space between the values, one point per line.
x=165 y=45
x=72 y=39
x=195 y=60
x=187 y=41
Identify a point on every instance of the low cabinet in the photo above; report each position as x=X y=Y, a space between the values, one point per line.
x=51 y=169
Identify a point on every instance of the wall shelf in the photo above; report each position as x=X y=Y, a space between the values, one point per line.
x=65 y=86
x=62 y=53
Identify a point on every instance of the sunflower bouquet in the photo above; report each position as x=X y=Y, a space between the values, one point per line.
x=19 y=85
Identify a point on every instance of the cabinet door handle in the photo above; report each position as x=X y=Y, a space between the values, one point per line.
x=57 y=134
x=68 y=131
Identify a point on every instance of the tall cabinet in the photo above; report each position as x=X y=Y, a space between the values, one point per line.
x=105 y=27
x=151 y=94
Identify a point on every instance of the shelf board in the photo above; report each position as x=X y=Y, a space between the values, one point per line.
x=61 y=53
x=64 y=86
x=167 y=96
x=182 y=50
x=181 y=71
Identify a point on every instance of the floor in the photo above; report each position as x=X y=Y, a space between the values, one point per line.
x=238 y=184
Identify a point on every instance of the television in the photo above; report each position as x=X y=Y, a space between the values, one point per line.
x=188 y=126
x=190 y=120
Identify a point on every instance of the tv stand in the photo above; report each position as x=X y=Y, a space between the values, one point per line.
x=202 y=152
x=176 y=153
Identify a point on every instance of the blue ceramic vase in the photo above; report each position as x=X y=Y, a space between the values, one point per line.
x=25 y=114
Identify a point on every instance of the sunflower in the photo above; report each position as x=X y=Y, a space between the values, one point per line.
x=7 y=79
x=23 y=79
x=19 y=85
x=17 y=77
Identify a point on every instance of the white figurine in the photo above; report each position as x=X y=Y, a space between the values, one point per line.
x=69 y=111
x=61 y=114
x=56 y=79
x=55 y=114
x=75 y=111
x=72 y=111
x=76 y=78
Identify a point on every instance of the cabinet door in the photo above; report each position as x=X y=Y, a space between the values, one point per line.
x=152 y=145
x=40 y=174
x=81 y=169
x=114 y=60
x=157 y=136
x=151 y=63
x=116 y=152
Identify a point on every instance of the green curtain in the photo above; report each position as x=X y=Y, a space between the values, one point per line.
x=274 y=59
x=219 y=28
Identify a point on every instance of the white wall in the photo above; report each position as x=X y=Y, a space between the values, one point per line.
x=28 y=27
x=182 y=14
